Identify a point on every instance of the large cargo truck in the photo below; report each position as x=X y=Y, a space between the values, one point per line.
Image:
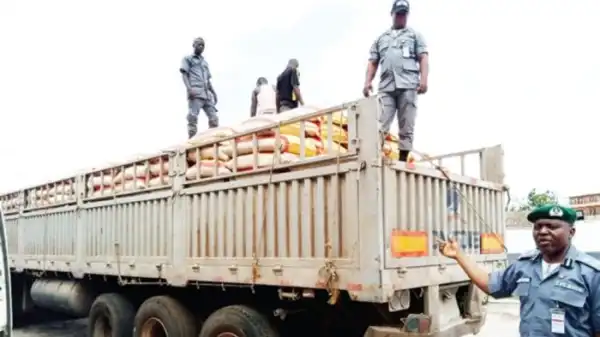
x=341 y=242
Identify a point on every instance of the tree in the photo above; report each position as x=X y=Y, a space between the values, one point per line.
x=535 y=199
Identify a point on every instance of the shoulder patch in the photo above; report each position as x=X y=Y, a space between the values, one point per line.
x=588 y=261
x=528 y=255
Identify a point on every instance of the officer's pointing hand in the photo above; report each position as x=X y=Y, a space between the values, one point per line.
x=368 y=88
x=448 y=248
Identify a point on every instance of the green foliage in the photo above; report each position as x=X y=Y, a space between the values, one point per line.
x=535 y=199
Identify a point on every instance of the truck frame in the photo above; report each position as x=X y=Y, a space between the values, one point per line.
x=338 y=244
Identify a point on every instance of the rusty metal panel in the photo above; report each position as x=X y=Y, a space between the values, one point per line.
x=50 y=234
x=424 y=200
x=293 y=219
x=135 y=229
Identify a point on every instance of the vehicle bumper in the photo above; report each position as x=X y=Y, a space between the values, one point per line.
x=461 y=328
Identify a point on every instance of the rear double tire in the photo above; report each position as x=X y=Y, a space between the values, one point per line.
x=163 y=316
x=111 y=315
x=237 y=321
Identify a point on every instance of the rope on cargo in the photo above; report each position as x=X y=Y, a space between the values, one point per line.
x=454 y=186
x=329 y=270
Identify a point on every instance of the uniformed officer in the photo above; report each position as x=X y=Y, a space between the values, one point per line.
x=403 y=56
x=558 y=286
x=200 y=92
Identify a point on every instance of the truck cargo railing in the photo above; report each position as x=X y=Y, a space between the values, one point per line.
x=326 y=207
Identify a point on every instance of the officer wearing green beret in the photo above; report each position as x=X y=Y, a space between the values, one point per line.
x=558 y=285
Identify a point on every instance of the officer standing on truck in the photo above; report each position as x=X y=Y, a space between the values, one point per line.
x=402 y=53
x=288 y=88
x=263 y=99
x=558 y=285
x=200 y=93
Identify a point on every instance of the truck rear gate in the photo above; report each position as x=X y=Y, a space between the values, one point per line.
x=354 y=222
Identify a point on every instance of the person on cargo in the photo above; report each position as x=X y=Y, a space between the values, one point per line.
x=288 y=88
x=558 y=285
x=200 y=93
x=263 y=98
x=402 y=53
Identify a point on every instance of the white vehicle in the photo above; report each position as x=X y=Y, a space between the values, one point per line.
x=5 y=291
x=289 y=224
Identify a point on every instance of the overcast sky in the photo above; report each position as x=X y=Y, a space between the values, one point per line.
x=89 y=82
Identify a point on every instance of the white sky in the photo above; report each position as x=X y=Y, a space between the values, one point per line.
x=89 y=82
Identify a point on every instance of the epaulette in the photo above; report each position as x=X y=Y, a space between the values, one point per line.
x=529 y=255
x=588 y=261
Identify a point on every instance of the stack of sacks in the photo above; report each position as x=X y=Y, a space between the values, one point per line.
x=289 y=141
x=201 y=161
x=12 y=202
x=391 y=147
x=52 y=194
x=339 y=133
x=100 y=184
x=141 y=176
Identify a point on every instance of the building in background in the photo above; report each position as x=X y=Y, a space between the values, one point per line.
x=589 y=204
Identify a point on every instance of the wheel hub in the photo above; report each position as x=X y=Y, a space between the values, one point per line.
x=153 y=327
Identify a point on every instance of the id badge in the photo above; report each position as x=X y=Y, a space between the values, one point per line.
x=557 y=316
x=405 y=51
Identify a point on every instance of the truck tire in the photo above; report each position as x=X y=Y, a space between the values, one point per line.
x=237 y=321
x=163 y=316
x=111 y=315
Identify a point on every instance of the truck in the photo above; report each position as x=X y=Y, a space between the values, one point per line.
x=342 y=243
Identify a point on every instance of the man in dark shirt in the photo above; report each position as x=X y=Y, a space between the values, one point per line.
x=288 y=88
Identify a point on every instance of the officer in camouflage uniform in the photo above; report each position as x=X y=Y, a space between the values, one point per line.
x=402 y=54
x=558 y=286
x=200 y=92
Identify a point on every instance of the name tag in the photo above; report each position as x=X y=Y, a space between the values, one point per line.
x=557 y=316
x=571 y=286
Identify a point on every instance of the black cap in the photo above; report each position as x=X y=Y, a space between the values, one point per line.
x=400 y=6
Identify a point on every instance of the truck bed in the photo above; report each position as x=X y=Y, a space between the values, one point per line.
x=355 y=221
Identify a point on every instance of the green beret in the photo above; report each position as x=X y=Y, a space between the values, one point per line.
x=553 y=211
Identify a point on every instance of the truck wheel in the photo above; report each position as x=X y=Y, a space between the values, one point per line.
x=163 y=316
x=111 y=315
x=237 y=321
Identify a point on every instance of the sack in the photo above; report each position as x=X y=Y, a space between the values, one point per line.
x=392 y=137
x=300 y=111
x=211 y=134
x=131 y=172
x=339 y=135
x=94 y=182
x=208 y=153
x=287 y=143
x=66 y=189
x=335 y=148
x=391 y=150
x=130 y=185
x=311 y=129
x=207 y=169
x=159 y=181
x=245 y=162
x=158 y=169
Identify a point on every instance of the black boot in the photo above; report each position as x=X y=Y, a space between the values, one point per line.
x=403 y=154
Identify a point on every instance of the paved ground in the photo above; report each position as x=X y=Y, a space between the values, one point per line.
x=503 y=320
